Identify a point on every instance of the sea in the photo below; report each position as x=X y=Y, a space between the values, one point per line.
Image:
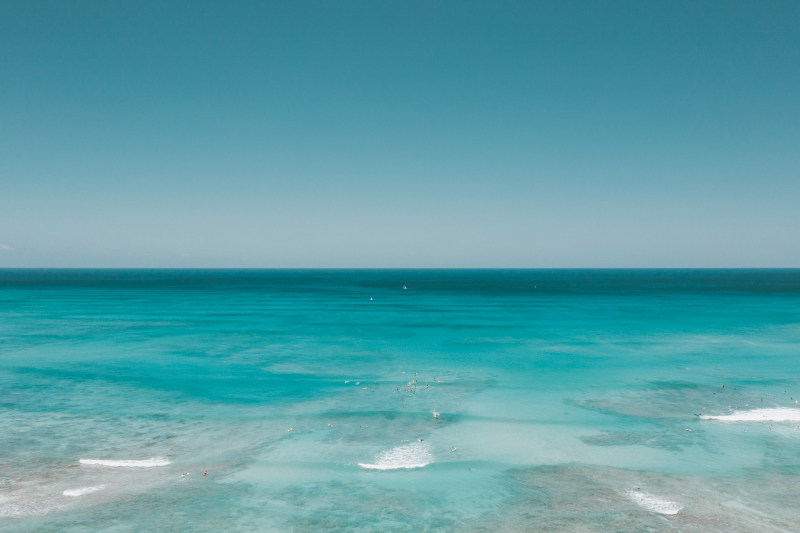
x=399 y=400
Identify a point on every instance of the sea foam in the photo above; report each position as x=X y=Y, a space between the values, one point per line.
x=651 y=503
x=409 y=456
x=777 y=414
x=82 y=491
x=143 y=463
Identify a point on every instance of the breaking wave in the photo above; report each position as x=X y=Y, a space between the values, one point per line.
x=409 y=456
x=651 y=503
x=143 y=463
x=82 y=491
x=777 y=414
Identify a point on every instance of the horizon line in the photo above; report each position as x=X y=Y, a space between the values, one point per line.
x=406 y=268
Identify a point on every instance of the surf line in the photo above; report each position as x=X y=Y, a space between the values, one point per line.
x=778 y=414
x=127 y=463
x=401 y=457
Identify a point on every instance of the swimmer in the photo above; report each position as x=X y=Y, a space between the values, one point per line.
x=205 y=473
x=185 y=474
x=330 y=425
x=452 y=448
x=436 y=415
x=290 y=429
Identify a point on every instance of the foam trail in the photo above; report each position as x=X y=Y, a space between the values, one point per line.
x=409 y=456
x=144 y=463
x=651 y=503
x=778 y=414
x=82 y=491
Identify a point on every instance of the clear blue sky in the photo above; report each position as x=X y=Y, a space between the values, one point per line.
x=400 y=134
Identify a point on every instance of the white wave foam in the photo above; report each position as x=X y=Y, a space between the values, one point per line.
x=651 y=503
x=777 y=414
x=82 y=491
x=24 y=504
x=15 y=510
x=409 y=456
x=143 y=463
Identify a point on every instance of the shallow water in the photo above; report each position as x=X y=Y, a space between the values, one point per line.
x=572 y=400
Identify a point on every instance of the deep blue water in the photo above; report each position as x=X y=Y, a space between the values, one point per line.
x=566 y=400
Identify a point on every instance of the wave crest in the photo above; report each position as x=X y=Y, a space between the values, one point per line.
x=409 y=456
x=127 y=463
x=651 y=503
x=777 y=414
x=81 y=491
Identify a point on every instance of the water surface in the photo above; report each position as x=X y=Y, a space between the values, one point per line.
x=399 y=400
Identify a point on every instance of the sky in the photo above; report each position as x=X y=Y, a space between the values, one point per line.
x=428 y=134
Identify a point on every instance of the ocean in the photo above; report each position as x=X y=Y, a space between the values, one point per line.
x=399 y=400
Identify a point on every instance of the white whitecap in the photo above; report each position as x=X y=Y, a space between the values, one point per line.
x=777 y=414
x=82 y=491
x=652 y=503
x=409 y=456
x=127 y=463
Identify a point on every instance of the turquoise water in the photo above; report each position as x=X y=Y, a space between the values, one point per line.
x=567 y=400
